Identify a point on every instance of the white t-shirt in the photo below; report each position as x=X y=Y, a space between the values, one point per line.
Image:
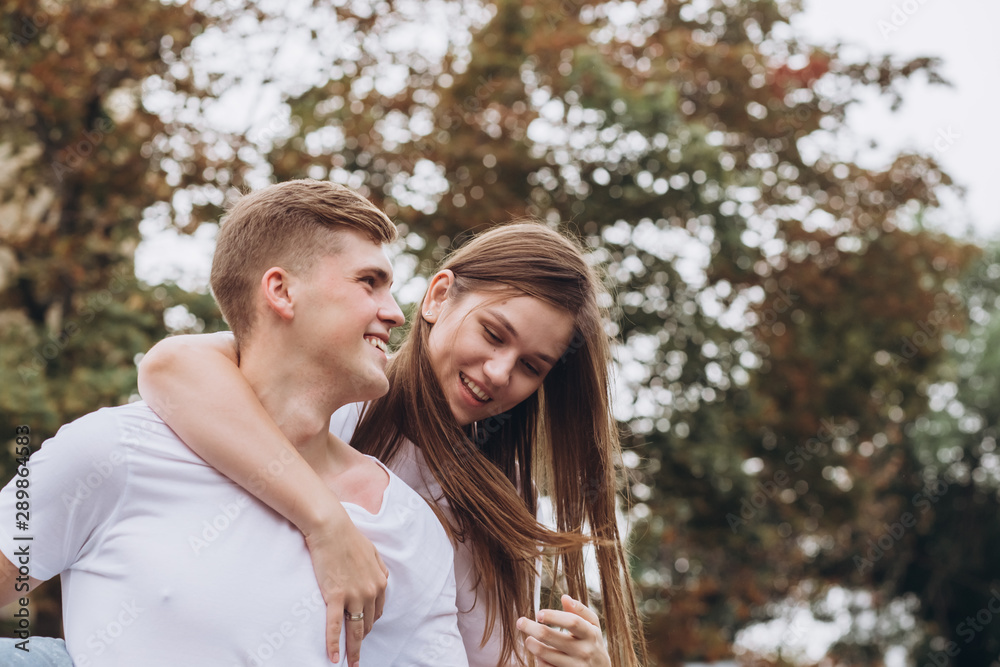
x=409 y=464
x=166 y=562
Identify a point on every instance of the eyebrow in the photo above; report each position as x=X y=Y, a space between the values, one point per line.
x=377 y=271
x=505 y=323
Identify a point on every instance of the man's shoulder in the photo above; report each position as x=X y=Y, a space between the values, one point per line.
x=111 y=416
x=123 y=431
x=125 y=424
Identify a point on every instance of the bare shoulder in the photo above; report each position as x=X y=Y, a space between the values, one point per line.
x=360 y=480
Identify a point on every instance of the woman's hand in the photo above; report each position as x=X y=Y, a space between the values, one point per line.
x=574 y=640
x=352 y=577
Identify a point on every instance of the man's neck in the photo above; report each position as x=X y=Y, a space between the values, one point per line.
x=299 y=399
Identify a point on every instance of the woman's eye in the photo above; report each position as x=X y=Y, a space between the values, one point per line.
x=531 y=369
x=493 y=336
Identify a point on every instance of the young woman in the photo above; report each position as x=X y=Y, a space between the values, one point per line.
x=499 y=393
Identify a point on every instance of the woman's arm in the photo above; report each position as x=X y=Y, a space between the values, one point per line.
x=194 y=384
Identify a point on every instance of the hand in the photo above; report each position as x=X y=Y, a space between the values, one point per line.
x=581 y=645
x=352 y=578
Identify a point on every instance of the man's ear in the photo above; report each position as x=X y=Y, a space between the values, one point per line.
x=276 y=284
x=437 y=295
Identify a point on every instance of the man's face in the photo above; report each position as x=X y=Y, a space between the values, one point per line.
x=343 y=313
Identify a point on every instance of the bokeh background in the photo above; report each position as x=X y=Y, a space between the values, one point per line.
x=808 y=366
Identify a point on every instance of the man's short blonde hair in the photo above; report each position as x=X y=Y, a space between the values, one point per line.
x=289 y=225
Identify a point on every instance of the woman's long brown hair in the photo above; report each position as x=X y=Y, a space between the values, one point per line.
x=563 y=440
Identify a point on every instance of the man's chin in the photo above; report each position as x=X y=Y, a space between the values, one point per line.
x=376 y=388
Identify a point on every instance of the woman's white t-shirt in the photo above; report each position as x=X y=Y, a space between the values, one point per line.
x=409 y=465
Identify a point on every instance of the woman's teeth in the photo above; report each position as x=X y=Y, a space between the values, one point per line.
x=474 y=388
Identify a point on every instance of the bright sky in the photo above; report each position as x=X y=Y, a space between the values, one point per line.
x=951 y=124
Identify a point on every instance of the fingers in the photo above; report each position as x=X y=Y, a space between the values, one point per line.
x=575 y=626
x=369 y=616
x=572 y=640
x=334 y=619
x=369 y=604
x=575 y=606
x=381 y=564
x=354 y=634
x=560 y=636
x=374 y=598
x=352 y=579
x=556 y=658
x=540 y=662
x=380 y=598
x=378 y=606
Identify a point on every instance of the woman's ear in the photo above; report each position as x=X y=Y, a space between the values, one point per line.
x=276 y=286
x=437 y=295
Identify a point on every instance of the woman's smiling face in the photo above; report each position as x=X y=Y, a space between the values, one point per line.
x=491 y=350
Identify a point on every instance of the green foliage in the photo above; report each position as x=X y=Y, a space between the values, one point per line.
x=79 y=168
x=949 y=562
x=788 y=326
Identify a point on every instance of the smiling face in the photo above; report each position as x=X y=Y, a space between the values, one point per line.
x=491 y=350
x=343 y=313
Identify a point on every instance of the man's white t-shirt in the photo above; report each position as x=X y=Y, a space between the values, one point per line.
x=166 y=562
x=409 y=464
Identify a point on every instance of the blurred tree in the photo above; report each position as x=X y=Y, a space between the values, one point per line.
x=951 y=483
x=782 y=310
x=81 y=162
x=684 y=141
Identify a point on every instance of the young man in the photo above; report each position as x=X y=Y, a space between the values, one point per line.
x=166 y=562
